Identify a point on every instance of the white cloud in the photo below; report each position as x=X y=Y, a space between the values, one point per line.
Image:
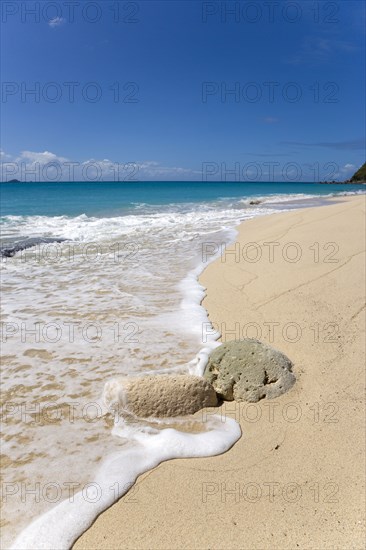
x=344 y=172
x=42 y=158
x=47 y=166
x=56 y=22
x=348 y=169
x=153 y=169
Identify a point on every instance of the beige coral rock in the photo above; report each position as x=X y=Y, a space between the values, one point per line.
x=159 y=396
x=249 y=370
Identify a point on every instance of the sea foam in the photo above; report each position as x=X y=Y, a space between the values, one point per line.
x=143 y=447
x=63 y=524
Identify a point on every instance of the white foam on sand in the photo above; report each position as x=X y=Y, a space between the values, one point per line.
x=63 y=524
x=145 y=447
x=194 y=314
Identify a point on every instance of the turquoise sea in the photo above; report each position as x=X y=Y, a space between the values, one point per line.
x=119 y=198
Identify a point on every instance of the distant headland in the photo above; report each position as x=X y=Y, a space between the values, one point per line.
x=358 y=177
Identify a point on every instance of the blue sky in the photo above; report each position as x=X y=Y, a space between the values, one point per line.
x=295 y=69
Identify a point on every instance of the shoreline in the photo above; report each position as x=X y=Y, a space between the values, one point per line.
x=194 y=487
x=195 y=318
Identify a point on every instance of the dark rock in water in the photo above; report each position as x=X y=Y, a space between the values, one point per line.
x=9 y=249
x=255 y=202
x=249 y=370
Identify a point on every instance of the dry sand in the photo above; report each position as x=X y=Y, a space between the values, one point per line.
x=296 y=477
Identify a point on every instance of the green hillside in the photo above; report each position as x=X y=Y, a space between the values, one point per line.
x=360 y=175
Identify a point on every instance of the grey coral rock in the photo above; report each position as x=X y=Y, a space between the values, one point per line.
x=159 y=396
x=249 y=370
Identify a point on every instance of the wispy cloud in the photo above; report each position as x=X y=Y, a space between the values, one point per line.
x=353 y=145
x=155 y=169
x=347 y=168
x=270 y=119
x=345 y=172
x=56 y=22
x=270 y=155
x=317 y=49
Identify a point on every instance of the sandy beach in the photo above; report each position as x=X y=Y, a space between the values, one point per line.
x=295 y=479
